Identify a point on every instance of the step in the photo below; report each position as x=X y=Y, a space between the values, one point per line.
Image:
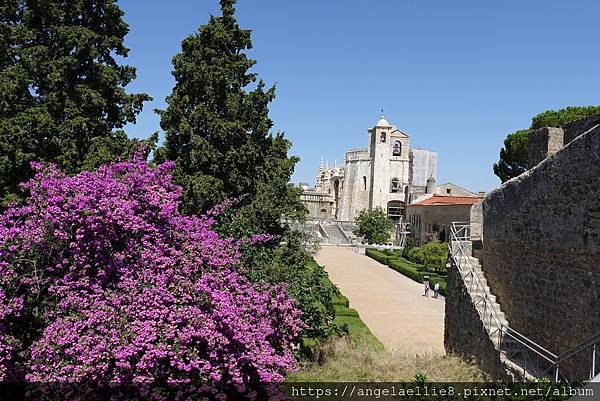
x=515 y=367
x=477 y=292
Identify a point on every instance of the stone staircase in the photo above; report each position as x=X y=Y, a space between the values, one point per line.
x=334 y=233
x=522 y=359
x=519 y=356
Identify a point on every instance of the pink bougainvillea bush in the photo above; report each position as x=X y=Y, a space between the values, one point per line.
x=102 y=279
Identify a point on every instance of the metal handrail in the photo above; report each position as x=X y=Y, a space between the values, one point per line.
x=502 y=328
x=479 y=285
x=550 y=356
x=590 y=342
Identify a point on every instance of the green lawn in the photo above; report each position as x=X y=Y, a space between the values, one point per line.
x=349 y=318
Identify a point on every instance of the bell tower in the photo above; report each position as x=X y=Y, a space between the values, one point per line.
x=389 y=150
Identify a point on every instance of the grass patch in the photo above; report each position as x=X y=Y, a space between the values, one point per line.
x=345 y=360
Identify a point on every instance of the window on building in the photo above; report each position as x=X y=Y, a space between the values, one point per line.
x=397 y=148
x=442 y=234
x=395 y=185
x=382 y=137
x=365 y=183
x=448 y=191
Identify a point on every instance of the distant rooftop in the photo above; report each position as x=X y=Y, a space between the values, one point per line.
x=445 y=200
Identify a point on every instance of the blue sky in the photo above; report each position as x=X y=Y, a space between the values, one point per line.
x=457 y=76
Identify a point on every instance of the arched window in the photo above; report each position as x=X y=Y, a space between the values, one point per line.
x=365 y=182
x=382 y=137
x=397 y=148
x=395 y=185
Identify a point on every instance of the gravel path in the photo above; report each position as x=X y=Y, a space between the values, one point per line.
x=390 y=304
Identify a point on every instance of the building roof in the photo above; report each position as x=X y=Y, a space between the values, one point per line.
x=453 y=185
x=445 y=200
x=382 y=122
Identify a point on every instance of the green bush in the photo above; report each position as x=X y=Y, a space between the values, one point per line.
x=374 y=226
x=415 y=255
x=377 y=255
x=408 y=246
x=433 y=256
x=414 y=271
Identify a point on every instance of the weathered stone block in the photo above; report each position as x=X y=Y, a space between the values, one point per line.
x=544 y=142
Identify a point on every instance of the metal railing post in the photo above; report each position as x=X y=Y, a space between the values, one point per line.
x=593 y=372
x=556 y=373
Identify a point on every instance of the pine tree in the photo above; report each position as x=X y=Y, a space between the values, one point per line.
x=63 y=91
x=218 y=130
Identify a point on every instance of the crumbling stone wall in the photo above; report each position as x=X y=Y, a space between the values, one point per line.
x=541 y=252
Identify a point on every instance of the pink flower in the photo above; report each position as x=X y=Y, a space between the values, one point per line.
x=126 y=289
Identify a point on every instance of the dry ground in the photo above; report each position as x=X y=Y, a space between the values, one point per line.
x=390 y=304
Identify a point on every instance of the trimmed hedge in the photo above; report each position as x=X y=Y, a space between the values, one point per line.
x=377 y=255
x=410 y=269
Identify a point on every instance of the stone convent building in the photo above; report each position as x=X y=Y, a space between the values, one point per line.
x=388 y=174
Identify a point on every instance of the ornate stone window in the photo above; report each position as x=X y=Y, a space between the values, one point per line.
x=382 y=137
x=395 y=185
x=397 y=148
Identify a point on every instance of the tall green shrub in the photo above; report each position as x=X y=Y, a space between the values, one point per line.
x=374 y=226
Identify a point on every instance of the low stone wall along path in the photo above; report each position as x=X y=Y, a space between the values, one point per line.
x=390 y=304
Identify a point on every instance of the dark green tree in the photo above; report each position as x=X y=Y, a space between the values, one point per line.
x=374 y=226
x=63 y=91
x=218 y=131
x=558 y=118
x=513 y=156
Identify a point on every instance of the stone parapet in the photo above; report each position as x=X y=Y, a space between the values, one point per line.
x=574 y=129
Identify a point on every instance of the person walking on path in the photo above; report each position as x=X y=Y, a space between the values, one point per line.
x=436 y=290
x=426 y=282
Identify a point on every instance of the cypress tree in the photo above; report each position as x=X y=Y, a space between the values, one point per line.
x=218 y=131
x=63 y=92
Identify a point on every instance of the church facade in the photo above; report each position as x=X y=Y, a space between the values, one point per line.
x=388 y=174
